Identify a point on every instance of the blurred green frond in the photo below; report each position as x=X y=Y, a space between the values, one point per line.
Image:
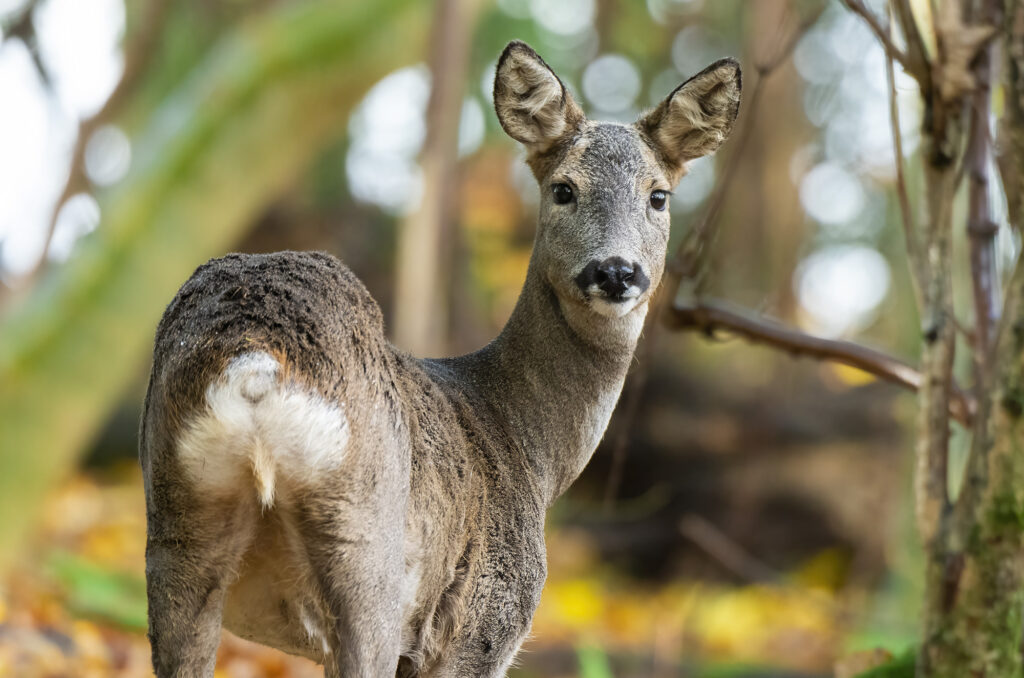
x=248 y=119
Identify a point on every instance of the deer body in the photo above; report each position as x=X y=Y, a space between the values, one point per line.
x=314 y=489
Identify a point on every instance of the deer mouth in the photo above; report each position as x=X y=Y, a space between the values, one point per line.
x=614 y=307
x=612 y=286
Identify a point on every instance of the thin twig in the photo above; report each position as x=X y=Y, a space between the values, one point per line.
x=910 y=232
x=726 y=551
x=981 y=226
x=894 y=52
x=981 y=232
x=917 y=64
x=709 y=316
x=684 y=262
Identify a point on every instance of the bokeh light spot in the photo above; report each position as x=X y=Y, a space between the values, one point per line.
x=80 y=44
x=387 y=130
x=830 y=194
x=79 y=216
x=108 y=155
x=563 y=17
x=611 y=83
x=841 y=286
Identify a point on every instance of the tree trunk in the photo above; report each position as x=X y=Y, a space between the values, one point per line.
x=975 y=582
x=977 y=630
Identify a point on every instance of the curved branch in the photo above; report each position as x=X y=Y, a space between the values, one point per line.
x=709 y=316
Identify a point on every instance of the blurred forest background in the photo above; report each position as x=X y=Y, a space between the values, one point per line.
x=748 y=513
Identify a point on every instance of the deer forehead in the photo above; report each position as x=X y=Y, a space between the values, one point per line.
x=611 y=158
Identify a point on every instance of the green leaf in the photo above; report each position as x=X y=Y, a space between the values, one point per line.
x=901 y=666
x=593 y=662
x=93 y=591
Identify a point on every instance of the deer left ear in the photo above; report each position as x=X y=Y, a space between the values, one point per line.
x=698 y=116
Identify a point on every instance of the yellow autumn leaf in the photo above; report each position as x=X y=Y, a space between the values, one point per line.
x=851 y=376
x=579 y=602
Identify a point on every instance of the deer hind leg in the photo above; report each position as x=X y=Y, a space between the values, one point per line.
x=281 y=447
x=205 y=491
x=352 y=538
x=191 y=560
x=349 y=527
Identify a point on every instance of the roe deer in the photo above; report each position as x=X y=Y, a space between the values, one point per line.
x=317 y=490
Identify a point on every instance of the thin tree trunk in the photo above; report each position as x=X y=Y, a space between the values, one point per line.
x=932 y=504
x=423 y=258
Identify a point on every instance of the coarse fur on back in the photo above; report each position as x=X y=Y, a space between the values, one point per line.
x=313 y=488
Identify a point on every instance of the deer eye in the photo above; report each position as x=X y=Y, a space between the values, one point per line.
x=658 y=199
x=562 y=193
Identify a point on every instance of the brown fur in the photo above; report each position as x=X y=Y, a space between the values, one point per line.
x=317 y=490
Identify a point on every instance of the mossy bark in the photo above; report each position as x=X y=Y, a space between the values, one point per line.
x=980 y=632
x=974 y=599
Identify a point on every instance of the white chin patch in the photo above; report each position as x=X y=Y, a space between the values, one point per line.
x=612 y=309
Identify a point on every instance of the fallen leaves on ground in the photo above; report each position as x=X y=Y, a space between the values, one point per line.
x=76 y=605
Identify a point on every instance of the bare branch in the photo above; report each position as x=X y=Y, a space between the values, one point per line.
x=917 y=63
x=687 y=256
x=710 y=316
x=894 y=52
x=981 y=226
x=981 y=233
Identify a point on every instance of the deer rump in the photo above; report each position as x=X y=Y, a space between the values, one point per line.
x=246 y=414
x=258 y=402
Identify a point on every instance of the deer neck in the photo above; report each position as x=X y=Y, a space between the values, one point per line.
x=554 y=375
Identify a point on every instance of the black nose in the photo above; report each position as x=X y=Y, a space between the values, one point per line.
x=613 y=276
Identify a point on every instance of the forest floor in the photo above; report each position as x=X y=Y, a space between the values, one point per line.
x=75 y=606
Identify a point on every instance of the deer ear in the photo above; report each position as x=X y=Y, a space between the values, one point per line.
x=532 y=104
x=698 y=116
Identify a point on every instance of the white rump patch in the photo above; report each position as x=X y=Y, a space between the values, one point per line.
x=256 y=427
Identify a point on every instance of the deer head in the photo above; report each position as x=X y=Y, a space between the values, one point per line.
x=605 y=187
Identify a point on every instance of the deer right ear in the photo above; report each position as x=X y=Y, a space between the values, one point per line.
x=532 y=104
